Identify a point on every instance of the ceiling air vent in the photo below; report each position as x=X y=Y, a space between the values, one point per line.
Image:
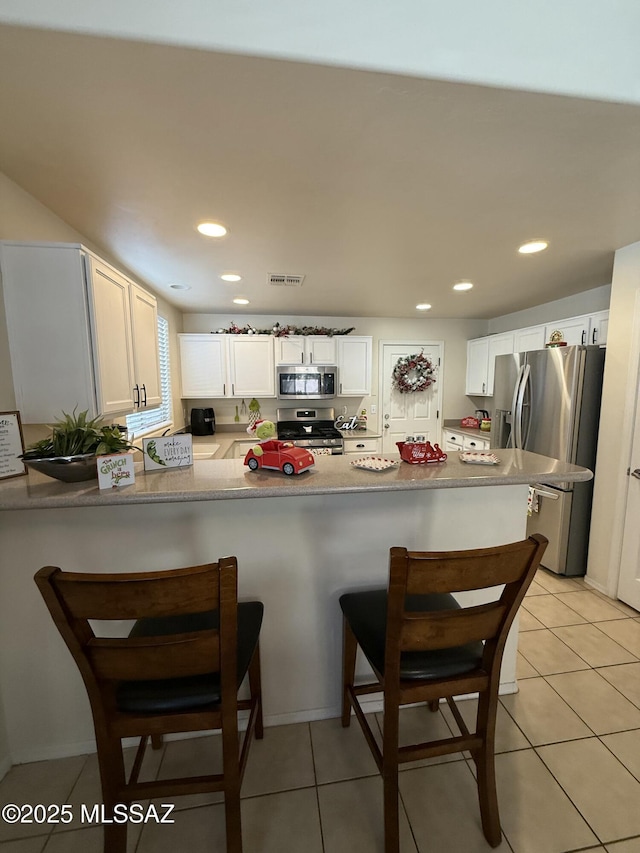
x=285 y=279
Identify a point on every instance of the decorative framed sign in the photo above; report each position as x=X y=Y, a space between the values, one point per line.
x=174 y=451
x=11 y=446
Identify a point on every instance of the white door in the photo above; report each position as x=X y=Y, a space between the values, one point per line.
x=413 y=413
x=629 y=581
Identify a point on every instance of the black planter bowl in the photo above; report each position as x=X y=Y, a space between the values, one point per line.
x=69 y=469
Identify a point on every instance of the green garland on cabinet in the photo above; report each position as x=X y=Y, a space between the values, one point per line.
x=283 y=331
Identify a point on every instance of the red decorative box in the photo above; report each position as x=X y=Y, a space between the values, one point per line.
x=474 y=423
x=417 y=453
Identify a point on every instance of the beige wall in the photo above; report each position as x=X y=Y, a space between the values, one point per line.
x=619 y=395
x=587 y=302
x=454 y=334
x=22 y=217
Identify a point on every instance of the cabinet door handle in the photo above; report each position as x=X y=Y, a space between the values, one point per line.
x=144 y=388
x=233 y=390
x=359 y=445
x=594 y=336
x=302 y=359
x=584 y=336
x=224 y=389
x=136 y=399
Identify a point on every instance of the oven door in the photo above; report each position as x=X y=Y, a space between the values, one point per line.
x=298 y=382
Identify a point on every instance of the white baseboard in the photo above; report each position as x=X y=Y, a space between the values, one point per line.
x=370 y=706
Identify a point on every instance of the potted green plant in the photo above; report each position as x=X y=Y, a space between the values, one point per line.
x=70 y=452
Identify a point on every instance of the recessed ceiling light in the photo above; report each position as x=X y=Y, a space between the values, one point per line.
x=463 y=285
x=241 y=301
x=423 y=306
x=180 y=286
x=212 y=229
x=231 y=276
x=533 y=246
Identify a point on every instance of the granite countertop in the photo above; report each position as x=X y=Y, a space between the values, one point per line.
x=229 y=479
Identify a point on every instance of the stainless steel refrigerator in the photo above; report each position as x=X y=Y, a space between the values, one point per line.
x=548 y=402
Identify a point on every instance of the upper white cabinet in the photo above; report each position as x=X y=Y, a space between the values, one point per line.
x=574 y=330
x=146 y=357
x=587 y=329
x=306 y=349
x=599 y=328
x=354 y=365
x=532 y=338
x=481 y=357
x=203 y=365
x=227 y=365
x=482 y=352
x=74 y=327
x=251 y=366
x=477 y=366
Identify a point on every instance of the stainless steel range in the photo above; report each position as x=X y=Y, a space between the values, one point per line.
x=312 y=428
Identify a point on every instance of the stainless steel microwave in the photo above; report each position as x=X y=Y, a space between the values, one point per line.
x=307 y=382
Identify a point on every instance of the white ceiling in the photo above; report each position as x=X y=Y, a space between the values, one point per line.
x=382 y=189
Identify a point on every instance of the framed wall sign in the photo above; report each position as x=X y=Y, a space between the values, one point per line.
x=11 y=446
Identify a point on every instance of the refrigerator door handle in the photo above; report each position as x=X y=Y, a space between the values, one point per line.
x=519 y=401
x=543 y=493
x=513 y=434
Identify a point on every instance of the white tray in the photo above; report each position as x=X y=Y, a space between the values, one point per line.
x=478 y=458
x=374 y=463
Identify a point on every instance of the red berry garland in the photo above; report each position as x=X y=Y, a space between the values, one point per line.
x=413 y=373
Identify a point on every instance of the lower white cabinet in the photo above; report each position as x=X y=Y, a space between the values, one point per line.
x=227 y=366
x=81 y=334
x=361 y=445
x=456 y=441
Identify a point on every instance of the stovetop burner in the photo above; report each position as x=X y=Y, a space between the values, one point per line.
x=309 y=427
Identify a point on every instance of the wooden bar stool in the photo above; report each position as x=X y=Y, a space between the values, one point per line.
x=178 y=670
x=423 y=646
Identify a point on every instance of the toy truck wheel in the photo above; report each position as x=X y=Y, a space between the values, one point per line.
x=253 y=464
x=288 y=468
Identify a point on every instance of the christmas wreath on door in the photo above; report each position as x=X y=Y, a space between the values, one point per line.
x=413 y=373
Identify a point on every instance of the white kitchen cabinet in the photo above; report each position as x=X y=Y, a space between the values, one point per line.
x=477 y=362
x=355 y=444
x=526 y=340
x=456 y=441
x=251 y=366
x=473 y=443
x=70 y=327
x=575 y=330
x=354 y=365
x=481 y=357
x=203 y=365
x=146 y=357
x=599 y=328
x=226 y=365
x=306 y=349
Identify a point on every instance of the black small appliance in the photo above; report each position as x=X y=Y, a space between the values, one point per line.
x=203 y=422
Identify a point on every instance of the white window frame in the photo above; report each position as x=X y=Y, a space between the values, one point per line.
x=154 y=420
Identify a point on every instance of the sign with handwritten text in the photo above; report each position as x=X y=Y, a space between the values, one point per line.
x=173 y=451
x=11 y=445
x=116 y=470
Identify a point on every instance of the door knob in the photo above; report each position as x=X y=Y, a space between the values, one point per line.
x=636 y=473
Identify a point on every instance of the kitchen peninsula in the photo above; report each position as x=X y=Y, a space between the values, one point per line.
x=300 y=542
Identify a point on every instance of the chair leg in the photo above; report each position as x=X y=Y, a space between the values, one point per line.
x=486 y=770
x=157 y=741
x=349 y=652
x=113 y=779
x=231 y=771
x=390 y=779
x=255 y=687
x=434 y=704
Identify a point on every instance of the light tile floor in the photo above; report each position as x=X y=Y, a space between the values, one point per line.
x=568 y=762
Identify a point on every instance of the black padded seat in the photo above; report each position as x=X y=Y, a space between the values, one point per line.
x=196 y=691
x=366 y=612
